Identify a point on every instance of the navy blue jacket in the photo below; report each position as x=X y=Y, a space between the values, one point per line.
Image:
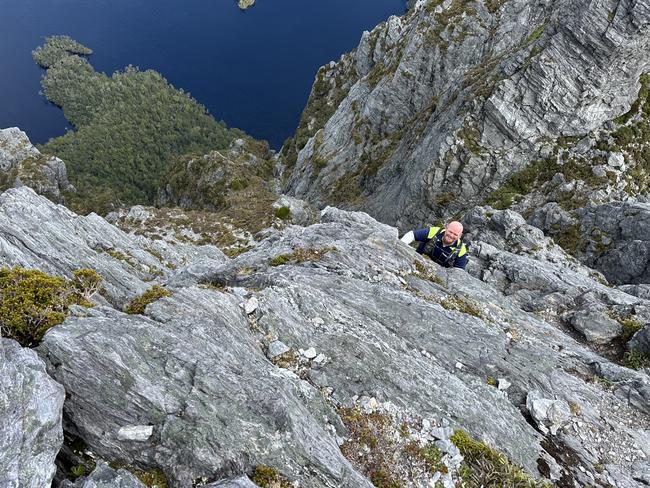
x=454 y=255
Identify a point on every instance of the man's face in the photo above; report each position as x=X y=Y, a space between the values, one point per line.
x=453 y=232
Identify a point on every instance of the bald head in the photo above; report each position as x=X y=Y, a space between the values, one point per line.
x=453 y=232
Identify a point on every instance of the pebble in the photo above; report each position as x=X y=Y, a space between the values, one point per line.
x=459 y=365
x=317 y=321
x=503 y=384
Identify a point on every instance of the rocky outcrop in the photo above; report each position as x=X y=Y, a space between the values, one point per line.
x=255 y=360
x=436 y=109
x=21 y=164
x=617 y=241
x=30 y=418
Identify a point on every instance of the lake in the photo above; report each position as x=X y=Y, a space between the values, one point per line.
x=252 y=69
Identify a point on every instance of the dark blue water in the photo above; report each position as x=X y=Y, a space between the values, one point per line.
x=252 y=69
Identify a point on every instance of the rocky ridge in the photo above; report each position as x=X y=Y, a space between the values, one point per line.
x=436 y=109
x=275 y=357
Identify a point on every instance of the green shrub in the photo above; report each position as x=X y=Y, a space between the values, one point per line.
x=283 y=213
x=32 y=302
x=138 y=304
x=484 y=466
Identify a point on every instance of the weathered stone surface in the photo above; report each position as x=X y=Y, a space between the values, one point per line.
x=30 y=418
x=215 y=407
x=106 y=477
x=21 y=164
x=617 y=241
x=392 y=327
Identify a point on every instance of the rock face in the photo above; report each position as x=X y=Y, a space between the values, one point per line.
x=21 y=164
x=188 y=387
x=30 y=418
x=435 y=109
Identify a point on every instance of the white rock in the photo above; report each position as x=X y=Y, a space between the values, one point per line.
x=459 y=365
x=139 y=433
x=320 y=359
x=317 y=321
x=308 y=353
x=251 y=305
x=503 y=384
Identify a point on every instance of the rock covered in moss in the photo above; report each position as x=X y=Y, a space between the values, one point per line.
x=103 y=476
x=21 y=164
x=30 y=411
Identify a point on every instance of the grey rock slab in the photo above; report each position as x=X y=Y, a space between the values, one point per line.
x=618 y=240
x=30 y=418
x=596 y=326
x=138 y=433
x=194 y=372
x=641 y=471
x=103 y=476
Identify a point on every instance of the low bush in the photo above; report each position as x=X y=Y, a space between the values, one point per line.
x=32 y=302
x=138 y=304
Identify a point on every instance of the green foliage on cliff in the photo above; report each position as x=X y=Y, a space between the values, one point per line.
x=139 y=303
x=32 y=302
x=131 y=126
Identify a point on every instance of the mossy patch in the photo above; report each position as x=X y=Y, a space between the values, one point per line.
x=636 y=360
x=269 y=477
x=138 y=304
x=384 y=451
x=152 y=478
x=283 y=213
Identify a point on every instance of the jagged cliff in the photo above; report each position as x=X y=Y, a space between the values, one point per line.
x=436 y=109
x=332 y=353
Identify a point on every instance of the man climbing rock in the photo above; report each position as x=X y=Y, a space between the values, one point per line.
x=442 y=244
